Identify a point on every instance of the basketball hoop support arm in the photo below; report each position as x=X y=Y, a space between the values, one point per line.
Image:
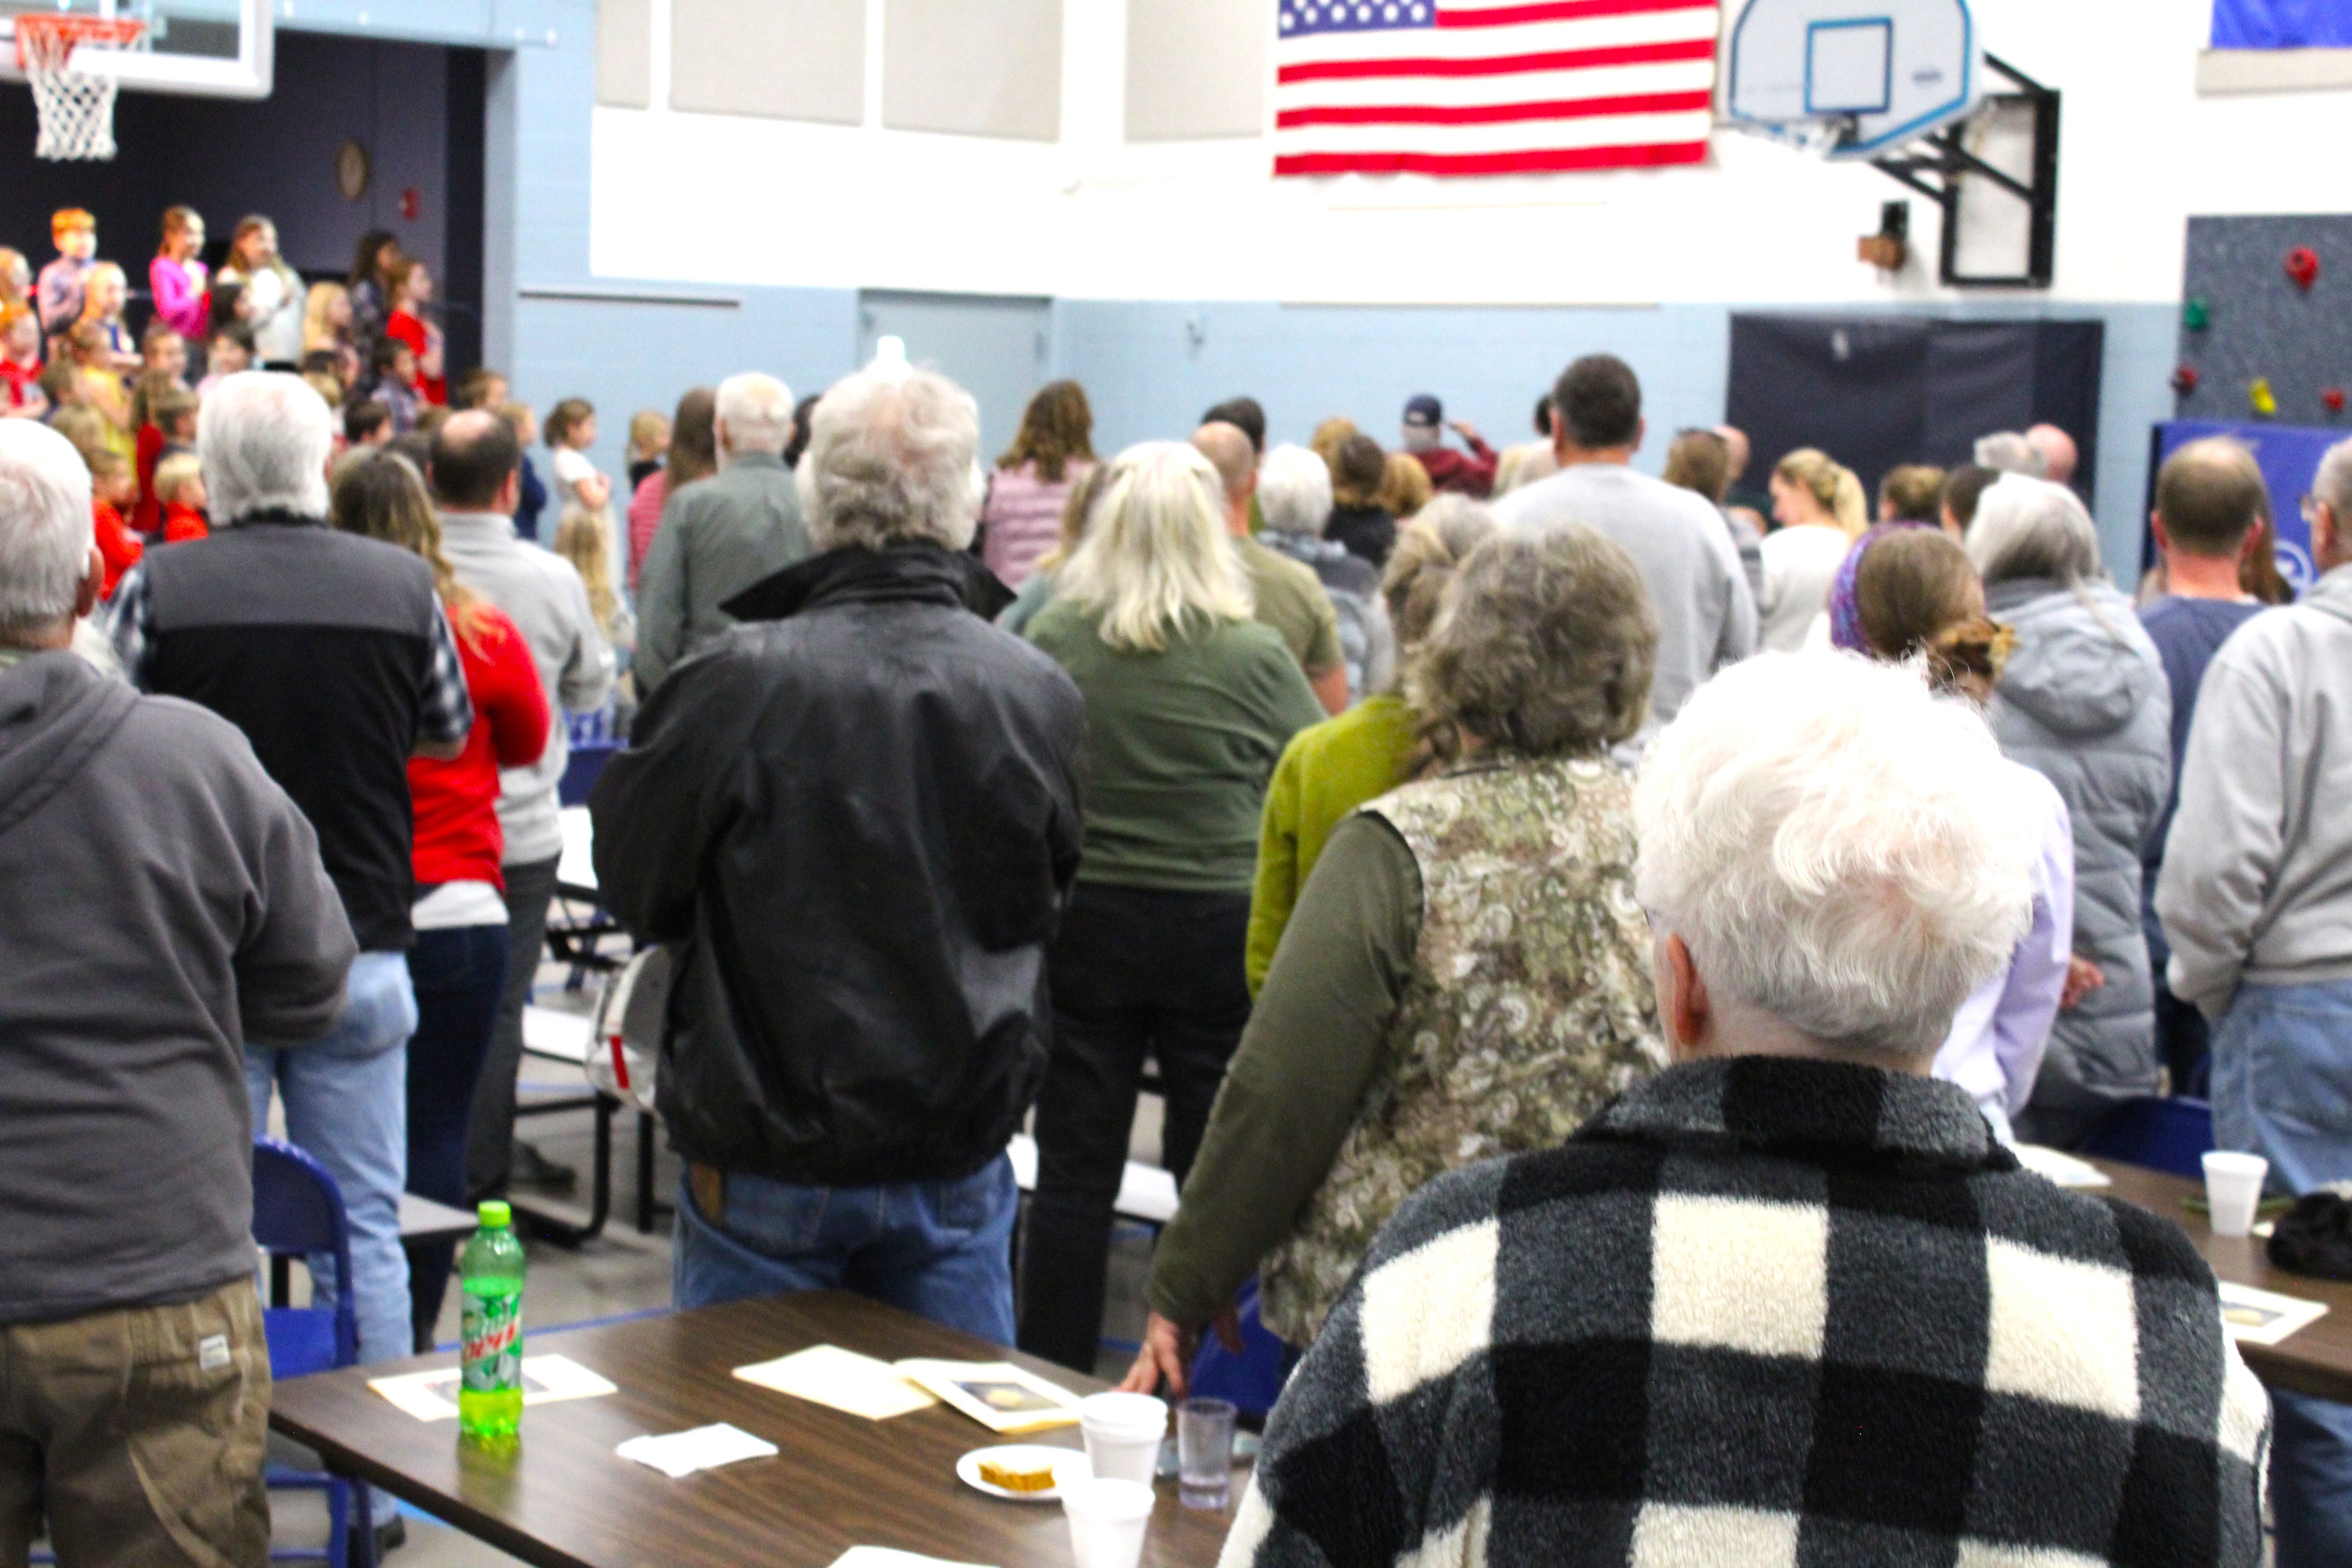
x=1933 y=164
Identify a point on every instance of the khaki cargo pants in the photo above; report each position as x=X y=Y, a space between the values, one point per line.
x=140 y=1432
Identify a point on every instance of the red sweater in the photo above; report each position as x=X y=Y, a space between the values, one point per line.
x=411 y=330
x=457 y=803
x=182 y=521
x=147 y=515
x=1470 y=473
x=119 y=546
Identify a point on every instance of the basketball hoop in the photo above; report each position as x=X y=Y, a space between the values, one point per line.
x=76 y=107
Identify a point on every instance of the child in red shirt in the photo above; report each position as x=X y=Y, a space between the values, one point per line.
x=412 y=285
x=112 y=489
x=21 y=396
x=180 y=495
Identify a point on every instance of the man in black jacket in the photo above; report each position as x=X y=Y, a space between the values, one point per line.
x=858 y=814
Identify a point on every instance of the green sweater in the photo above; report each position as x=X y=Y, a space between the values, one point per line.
x=1179 y=747
x=1325 y=773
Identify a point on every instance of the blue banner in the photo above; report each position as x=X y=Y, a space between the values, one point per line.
x=2282 y=24
x=2289 y=456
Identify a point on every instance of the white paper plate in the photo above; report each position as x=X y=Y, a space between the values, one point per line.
x=1023 y=1457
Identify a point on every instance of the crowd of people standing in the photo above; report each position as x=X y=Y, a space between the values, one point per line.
x=1582 y=925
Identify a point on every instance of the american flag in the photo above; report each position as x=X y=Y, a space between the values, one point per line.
x=1491 y=86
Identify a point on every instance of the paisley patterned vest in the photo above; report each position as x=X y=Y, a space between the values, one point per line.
x=1528 y=1005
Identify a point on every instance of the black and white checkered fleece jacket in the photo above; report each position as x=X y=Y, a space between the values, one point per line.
x=1764 y=1313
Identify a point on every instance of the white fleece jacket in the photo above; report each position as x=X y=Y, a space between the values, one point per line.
x=2257 y=882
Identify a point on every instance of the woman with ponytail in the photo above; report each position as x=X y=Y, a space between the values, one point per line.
x=1822 y=511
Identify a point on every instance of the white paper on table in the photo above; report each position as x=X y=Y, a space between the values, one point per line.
x=827 y=1375
x=546 y=1380
x=680 y=1454
x=2052 y=1166
x=2262 y=1317
x=891 y=1557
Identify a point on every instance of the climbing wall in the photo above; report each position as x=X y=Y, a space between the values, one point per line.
x=2266 y=320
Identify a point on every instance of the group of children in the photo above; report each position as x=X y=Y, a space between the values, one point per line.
x=365 y=345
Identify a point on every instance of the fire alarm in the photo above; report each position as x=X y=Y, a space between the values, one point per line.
x=2302 y=267
x=412 y=204
x=2184 y=380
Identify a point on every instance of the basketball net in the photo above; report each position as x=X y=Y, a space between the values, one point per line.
x=76 y=107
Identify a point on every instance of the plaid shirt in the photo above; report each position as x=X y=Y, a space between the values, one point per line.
x=1762 y=1313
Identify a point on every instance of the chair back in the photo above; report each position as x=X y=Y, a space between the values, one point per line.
x=298 y=1210
x=2162 y=1134
x=582 y=768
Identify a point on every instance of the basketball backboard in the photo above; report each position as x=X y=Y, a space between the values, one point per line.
x=1874 y=73
x=216 y=48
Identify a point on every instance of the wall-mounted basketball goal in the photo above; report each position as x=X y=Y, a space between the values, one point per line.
x=76 y=54
x=1906 y=85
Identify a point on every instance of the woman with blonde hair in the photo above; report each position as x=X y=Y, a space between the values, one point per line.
x=1404 y=487
x=1467 y=975
x=327 y=328
x=458 y=964
x=1022 y=510
x=1328 y=438
x=1334 y=767
x=1822 y=511
x=1189 y=703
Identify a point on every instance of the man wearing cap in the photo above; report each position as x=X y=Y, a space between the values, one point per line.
x=1470 y=473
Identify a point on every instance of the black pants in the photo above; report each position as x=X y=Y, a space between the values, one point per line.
x=489 y=1140
x=1135 y=973
x=2182 y=1036
x=460 y=975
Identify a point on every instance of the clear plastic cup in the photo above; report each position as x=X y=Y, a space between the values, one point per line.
x=1122 y=1433
x=1204 y=1453
x=2233 y=1190
x=1108 y=1521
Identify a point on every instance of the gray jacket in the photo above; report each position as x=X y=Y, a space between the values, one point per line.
x=2084 y=702
x=2257 y=882
x=717 y=537
x=161 y=901
x=541 y=593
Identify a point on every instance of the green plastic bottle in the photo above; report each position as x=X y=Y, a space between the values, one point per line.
x=489 y=1274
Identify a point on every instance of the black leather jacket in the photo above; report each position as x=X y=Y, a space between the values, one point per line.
x=860 y=819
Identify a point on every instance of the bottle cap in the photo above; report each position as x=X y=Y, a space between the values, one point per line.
x=496 y=1215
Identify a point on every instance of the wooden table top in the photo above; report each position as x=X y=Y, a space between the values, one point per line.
x=568 y=1501
x=2315 y=1360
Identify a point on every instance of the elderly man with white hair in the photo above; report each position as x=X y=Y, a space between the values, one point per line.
x=161 y=905
x=1294 y=494
x=720 y=535
x=1789 y=1300
x=861 y=808
x=332 y=653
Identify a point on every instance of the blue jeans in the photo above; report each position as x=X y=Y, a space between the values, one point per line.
x=347 y=1105
x=940 y=1250
x=2282 y=1090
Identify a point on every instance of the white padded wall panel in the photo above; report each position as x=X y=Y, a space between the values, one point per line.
x=1196 y=68
x=974 y=69
x=625 y=52
x=783 y=59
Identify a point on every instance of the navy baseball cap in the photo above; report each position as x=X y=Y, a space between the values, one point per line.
x=1424 y=409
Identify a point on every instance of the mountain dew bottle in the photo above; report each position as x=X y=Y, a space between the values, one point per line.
x=489 y=1274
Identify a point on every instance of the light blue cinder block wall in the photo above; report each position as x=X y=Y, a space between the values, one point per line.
x=1150 y=366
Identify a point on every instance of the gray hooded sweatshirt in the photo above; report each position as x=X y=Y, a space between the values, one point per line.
x=161 y=901
x=2084 y=702
x=2257 y=883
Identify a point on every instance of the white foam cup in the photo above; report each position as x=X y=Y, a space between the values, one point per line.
x=1107 y=1520
x=1122 y=1433
x=2233 y=1190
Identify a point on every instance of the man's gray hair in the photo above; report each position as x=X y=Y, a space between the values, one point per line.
x=2332 y=483
x=1294 y=490
x=2010 y=453
x=890 y=461
x=263 y=440
x=2031 y=528
x=758 y=413
x=45 y=527
x=1837 y=847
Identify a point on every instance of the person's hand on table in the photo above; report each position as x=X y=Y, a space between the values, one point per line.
x=2082 y=977
x=1166 y=1356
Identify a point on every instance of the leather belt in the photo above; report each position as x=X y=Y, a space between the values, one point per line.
x=708 y=1183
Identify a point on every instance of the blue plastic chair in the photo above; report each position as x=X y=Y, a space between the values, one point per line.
x=582 y=768
x=298 y=1210
x=2161 y=1134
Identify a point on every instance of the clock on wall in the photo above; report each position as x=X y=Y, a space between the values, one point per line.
x=351 y=170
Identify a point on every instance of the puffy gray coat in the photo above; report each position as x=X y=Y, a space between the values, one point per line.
x=2084 y=702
